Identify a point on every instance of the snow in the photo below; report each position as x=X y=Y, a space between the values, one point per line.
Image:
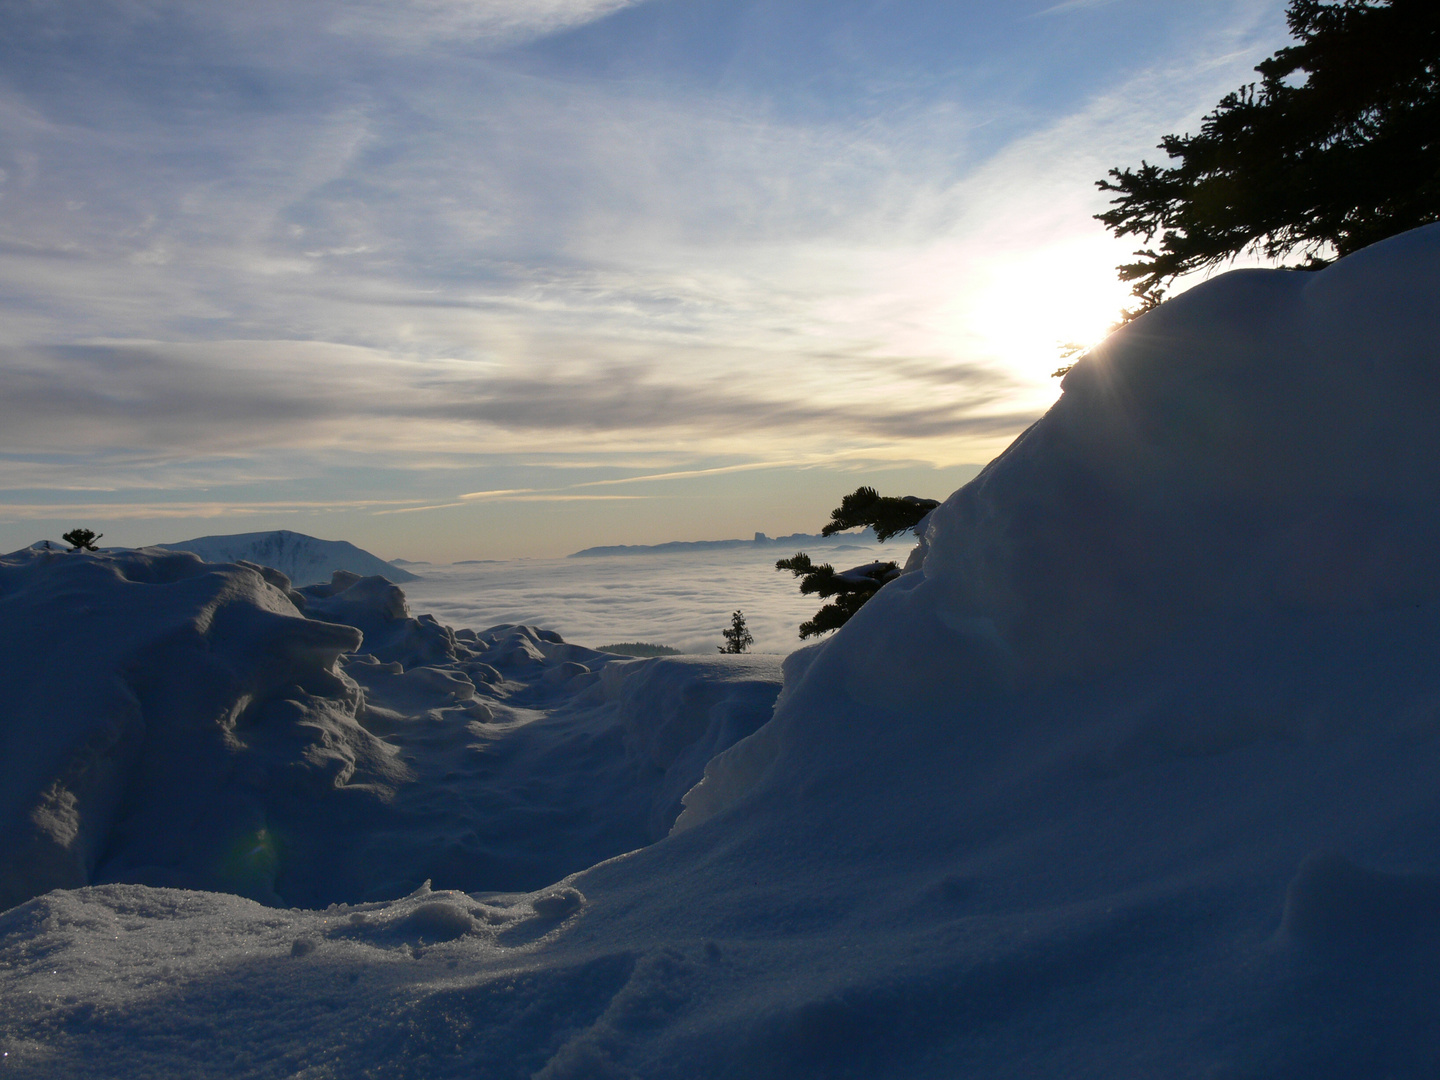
x=1133 y=776
x=872 y=571
x=230 y=734
x=305 y=560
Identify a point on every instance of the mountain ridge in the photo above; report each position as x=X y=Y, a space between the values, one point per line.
x=864 y=537
x=305 y=560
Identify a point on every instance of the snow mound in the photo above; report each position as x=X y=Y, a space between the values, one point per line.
x=1239 y=487
x=140 y=680
x=305 y=560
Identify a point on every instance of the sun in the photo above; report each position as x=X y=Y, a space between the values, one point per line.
x=1026 y=311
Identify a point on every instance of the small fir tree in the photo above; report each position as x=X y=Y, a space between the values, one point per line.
x=863 y=507
x=82 y=539
x=887 y=515
x=738 y=638
x=851 y=589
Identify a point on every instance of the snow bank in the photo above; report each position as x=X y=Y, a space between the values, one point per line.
x=136 y=683
x=1134 y=777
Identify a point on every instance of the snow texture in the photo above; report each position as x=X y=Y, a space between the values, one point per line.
x=1134 y=776
x=305 y=560
x=229 y=734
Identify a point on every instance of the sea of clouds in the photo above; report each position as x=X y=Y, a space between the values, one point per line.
x=680 y=599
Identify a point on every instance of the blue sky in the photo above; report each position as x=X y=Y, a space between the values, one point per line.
x=485 y=278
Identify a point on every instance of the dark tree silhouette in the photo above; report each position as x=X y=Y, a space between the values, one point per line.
x=888 y=516
x=851 y=589
x=738 y=638
x=81 y=539
x=1321 y=166
x=638 y=648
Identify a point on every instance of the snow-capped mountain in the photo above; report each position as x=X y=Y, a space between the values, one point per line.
x=305 y=560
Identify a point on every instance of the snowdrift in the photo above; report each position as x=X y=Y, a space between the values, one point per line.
x=172 y=722
x=1134 y=776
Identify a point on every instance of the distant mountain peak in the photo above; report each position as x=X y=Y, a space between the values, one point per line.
x=852 y=539
x=305 y=560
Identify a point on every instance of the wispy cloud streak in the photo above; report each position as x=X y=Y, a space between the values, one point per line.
x=231 y=395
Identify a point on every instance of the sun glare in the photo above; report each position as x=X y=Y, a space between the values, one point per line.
x=1010 y=303
x=1022 y=310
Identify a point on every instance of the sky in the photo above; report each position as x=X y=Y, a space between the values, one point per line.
x=463 y=279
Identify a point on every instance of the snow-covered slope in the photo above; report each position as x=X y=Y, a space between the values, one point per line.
x=305 y=560
x=1135 y=777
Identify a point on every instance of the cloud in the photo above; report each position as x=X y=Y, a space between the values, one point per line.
x=409 y=203
x=150 y=510
x=1072 y=5
x=691 y=474
x=563 y=496
x=235 y=396
x=246 y=246
x=497 y=22
x=687 y=600
x=496 y=494
x=573 y=260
